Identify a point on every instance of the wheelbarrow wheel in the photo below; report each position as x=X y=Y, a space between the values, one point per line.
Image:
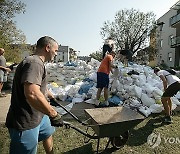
x=119 y=141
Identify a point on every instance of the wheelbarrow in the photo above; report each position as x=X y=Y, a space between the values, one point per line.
x=111 y=122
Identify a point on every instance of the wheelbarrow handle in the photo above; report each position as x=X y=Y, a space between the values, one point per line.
x=69 y=125
x=55 y=102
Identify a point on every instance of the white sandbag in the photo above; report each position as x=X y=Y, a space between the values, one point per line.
x=131 y=91
x=149 y=89
x=146 y=71
x=115 y=84
x=175 y=100
x=135 y=103
x=173 y=106
x=120 y=87
x=178 y=95
x=126 y=87
x=72 y=90
x=145 y=111
x=156 y=108
x=93 y=76
x=79 y=68
x=129 y=81
x=62 y=96
x=158 y=91
x=88 y=67
x=156 y=96
x=79 y=98
x=142 y=78
x=138 y=91
x=116 y=73
x=147 y=101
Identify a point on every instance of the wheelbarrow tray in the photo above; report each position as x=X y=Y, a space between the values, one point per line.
x=112 y=121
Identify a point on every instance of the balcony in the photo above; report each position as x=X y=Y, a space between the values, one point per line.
x=175 y=41
x=175 y=21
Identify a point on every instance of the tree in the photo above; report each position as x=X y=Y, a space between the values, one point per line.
x=96 y=55
x=152 y=51
x=130 y=29
x=9 y=34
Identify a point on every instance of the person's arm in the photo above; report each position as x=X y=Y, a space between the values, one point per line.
x=164 y=81
x=37 y=100
x=5 y=69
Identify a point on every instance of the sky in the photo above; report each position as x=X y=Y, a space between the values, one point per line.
x=77 y=23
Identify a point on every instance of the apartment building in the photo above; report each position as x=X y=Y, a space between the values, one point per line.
x=168 y=36
x=62 y=54
x=175 y=40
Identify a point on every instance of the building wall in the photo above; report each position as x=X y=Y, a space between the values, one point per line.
x=165 y=52
x=62 y=54
x=178 y=47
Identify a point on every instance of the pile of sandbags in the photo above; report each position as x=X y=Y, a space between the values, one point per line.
x=143 y=91
x=136 y=86
x=70 y=74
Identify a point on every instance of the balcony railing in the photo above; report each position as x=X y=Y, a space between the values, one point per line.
x=175 y=41
x=174 y=20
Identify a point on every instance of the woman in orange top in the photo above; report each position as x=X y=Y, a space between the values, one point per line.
x=103 y=77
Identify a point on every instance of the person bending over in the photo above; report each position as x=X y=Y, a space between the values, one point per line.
x=171 y=84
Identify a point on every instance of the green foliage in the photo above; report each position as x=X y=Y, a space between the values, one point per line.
x=130 y=29
x=152 y=52
x=9 y=34
x=96 y=55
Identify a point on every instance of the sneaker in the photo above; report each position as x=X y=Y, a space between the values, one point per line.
x=167 y=120
x=97 y=102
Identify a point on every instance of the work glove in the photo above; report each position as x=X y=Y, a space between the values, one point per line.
x=57 y=121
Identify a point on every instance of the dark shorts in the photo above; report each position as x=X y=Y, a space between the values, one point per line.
x=23 y=142
x=172 y=90
x=102 y=80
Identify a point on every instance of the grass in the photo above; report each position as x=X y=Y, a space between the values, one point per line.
x=69 y=141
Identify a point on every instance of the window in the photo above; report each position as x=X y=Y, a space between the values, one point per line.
x=171 y=40
x=160 y=43
x=170 y=56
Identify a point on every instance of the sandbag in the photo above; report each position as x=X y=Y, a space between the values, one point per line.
x=115 y=85
x=156 y=108
x=175 y=100
x=147 y=101
x=138 y=91
x=145 y=111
